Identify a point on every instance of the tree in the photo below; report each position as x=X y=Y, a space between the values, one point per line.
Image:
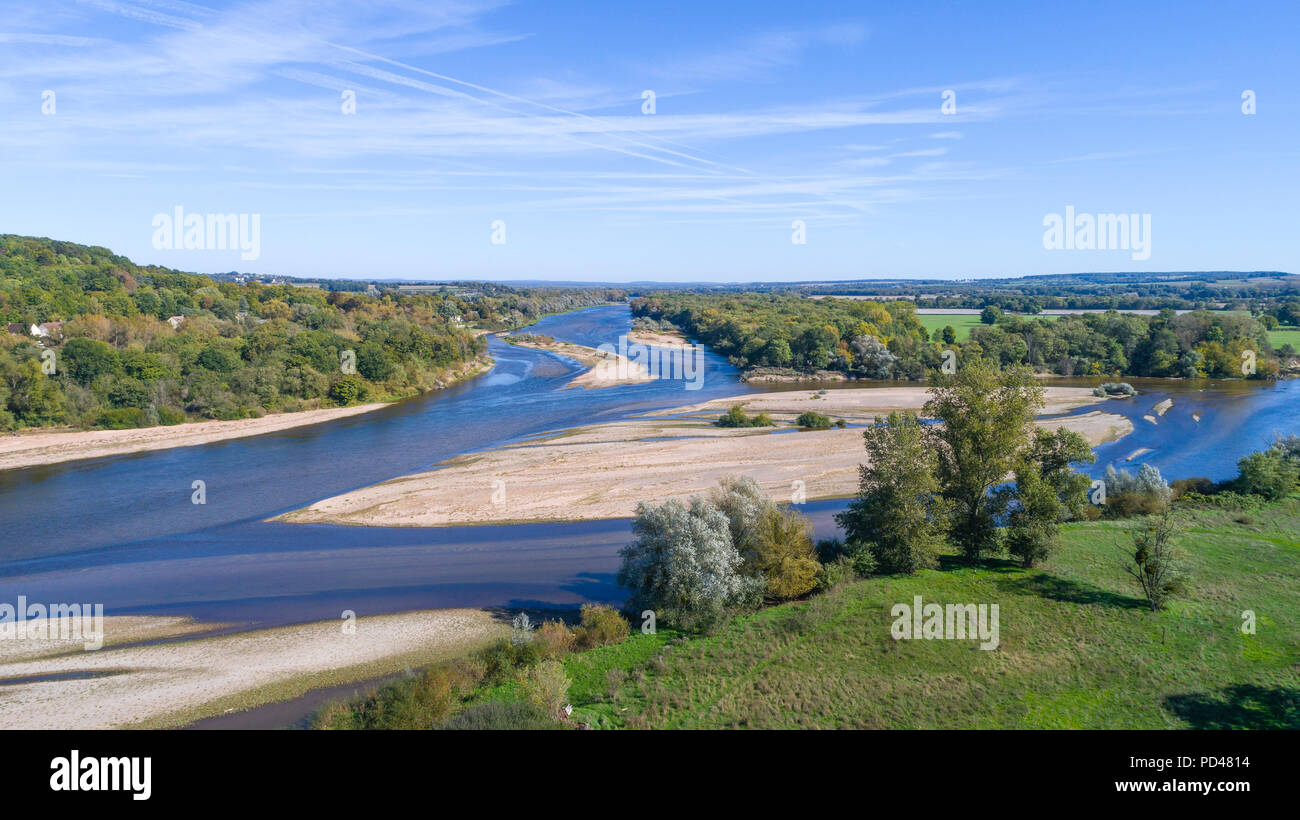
x=986 y=419
x=774 y=542
x=1034 y=523
x=33 y=397
x=784 y=555
x=872 y=357
x=1054 y=453
x=1157 y=564
x=990 y=314
x=897 y=514
x=683 y=564
x=1268 y=473
x=949 y=335
x=86 y=359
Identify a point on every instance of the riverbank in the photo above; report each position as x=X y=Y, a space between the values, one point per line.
x=177 y=676
x=602 y=471
x=604 y=369
x=39 y=447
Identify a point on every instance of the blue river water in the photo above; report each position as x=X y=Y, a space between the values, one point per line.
x=122 y=531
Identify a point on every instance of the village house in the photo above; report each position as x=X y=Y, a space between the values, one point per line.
x=175 y=321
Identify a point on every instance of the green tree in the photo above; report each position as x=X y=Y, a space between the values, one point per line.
x=897 y=514
x=1268 y=473
x=990 y=314
x=987 y=418
x=84 y=360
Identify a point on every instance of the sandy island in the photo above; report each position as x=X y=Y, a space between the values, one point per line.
x=173 y=683
x=604 y=369
x=602 y=471
x=30 y=449
x=658 y=338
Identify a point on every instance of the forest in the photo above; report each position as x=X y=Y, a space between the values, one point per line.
x=886 y=340
x=120 y=345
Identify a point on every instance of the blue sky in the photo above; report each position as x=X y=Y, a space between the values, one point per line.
x=765 y=113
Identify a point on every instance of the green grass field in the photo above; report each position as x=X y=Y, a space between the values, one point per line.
x=1285 y=335
x=934 y=323
x=1079 y=648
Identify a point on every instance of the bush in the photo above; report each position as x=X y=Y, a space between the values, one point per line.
x=810 y=420
x=836 y=572
x=601 y=626
x=736 y=417
x=546 y=686
x=554 y=640
x=1114 y=389
x=416 y=702
x=1269 y=474
x=122 y=418
x=1199 y=486
x=684 y=565
x=502 y=659
x=347 y=390
x=170 y=415
x=501 y=716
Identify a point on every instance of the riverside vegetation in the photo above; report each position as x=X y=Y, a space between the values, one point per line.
x=887 y=340
x=137 y=346
x=1132 y=617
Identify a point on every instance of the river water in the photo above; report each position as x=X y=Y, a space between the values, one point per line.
x=122 y=531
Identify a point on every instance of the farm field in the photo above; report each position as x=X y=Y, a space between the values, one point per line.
x=934 y=323
x=1285 y=336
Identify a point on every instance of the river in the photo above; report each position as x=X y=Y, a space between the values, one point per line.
x=123 y=531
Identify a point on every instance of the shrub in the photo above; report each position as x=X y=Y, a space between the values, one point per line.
x=122 y=418
x=500 y=716
x=170 y=415
x=1114 y=389
x=601 y=626
x=683 y=564
x=810 y=420
x=836 y=572
x=1269 y=474
x=546 y=686
x=347 y=390
x=554 y=640
x=1156 y=565
x=415 y=702
x=1199 y=486
x=735 y=417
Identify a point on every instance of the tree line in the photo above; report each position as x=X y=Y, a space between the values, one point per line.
x=885 y=340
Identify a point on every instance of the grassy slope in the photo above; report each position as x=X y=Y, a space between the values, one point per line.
x=1078 y=649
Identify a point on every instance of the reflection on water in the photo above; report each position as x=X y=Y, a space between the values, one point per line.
x=123 y=532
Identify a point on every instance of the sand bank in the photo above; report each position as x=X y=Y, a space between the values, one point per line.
x=604 y=470
x=604 y=369
x=50 y=447
x=173 y=683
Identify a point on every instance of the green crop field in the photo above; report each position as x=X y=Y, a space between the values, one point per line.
x=1284 y=336
x=1079 y=648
